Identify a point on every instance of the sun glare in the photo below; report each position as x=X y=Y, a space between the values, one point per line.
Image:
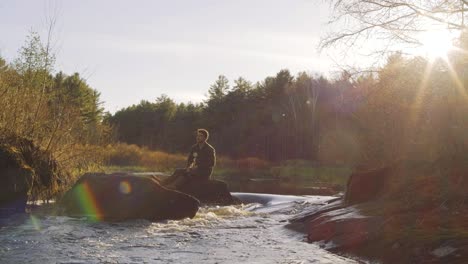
x=437 y=44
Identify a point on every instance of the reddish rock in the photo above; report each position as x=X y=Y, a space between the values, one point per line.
x=364 y=186
x=345 y=227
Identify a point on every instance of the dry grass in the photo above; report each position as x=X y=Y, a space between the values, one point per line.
x=124 y=155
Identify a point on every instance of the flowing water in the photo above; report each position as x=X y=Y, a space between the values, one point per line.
x=249 y=233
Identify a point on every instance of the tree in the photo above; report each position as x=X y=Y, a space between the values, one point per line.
x=219 y=89
x=394 y=22
x=242 y=85
x=34 y=56
x=215 y=108
x=310 y=95
x=3 y=70
x=56 y=112
x=408 y=93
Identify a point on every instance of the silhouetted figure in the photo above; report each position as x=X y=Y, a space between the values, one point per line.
x=200 y=163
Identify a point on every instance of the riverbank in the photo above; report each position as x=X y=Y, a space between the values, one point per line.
x=418 y=216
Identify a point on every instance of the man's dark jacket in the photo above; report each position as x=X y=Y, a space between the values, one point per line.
x=204 y=159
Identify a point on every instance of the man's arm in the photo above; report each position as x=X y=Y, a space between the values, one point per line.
x=190 y=158
x=212 y=158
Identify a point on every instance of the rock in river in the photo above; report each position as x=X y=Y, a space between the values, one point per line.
x=121 y=196
x=210 y=192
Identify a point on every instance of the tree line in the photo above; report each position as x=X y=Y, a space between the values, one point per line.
x=410 y=108
x=279 y=118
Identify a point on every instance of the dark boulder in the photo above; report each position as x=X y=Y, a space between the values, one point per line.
x=210 y=192
x=15 y=185
x=121 y=196
x=364 y=186
x=26 y=172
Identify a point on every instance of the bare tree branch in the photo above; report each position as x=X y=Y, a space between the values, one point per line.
x=46 y=67
x=392 y=22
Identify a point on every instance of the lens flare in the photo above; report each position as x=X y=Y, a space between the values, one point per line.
x=88 y=203
x=125 y=187
x=35 y=223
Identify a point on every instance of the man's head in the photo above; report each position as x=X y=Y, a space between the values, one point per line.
x=202 y=135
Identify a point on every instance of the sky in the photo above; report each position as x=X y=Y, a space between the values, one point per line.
x=138 y=50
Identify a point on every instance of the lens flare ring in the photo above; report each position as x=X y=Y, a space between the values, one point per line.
x=125 y=187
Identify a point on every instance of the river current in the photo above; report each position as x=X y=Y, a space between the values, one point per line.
x=249 y=233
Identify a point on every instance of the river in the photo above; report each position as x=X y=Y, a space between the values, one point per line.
x=249 y=233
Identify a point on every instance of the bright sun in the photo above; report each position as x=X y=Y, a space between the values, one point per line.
x=437 y=44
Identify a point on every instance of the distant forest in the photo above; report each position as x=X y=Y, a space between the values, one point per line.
x=410 y=108
x=282 y=117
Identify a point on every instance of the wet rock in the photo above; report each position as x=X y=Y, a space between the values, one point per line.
x=122 y=196
x=14 y=188
x=211 y=192
x=443 y=251
x=345 y=227
x=396 y=245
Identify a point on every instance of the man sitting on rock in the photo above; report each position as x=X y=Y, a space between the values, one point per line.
x=200 y=163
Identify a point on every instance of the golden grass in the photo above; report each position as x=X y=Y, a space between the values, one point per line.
x=125 y=155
